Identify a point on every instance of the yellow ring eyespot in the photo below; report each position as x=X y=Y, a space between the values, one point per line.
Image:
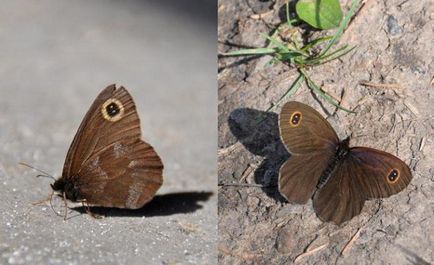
x=393 y=176
x=295 y=119
x=112 y=109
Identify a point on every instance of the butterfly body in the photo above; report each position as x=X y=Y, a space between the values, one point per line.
x=338 y=177
x=342 y=150
x=107 y=163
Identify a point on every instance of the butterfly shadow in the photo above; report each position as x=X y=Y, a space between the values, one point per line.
x=161 y=205
x=258 y=131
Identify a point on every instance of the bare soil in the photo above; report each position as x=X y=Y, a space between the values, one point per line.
x=394 y=41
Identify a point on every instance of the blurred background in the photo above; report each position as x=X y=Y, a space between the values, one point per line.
x=56 y=56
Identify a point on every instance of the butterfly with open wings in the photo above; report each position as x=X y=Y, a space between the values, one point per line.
x=340 y=178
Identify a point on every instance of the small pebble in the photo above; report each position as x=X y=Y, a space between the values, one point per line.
x=392 y=26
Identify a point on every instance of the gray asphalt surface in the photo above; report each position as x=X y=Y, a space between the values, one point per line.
x=56 y=56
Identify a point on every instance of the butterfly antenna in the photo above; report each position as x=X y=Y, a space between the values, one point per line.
x=44 y=174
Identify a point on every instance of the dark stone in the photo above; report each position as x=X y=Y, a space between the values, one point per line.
x=392 y=26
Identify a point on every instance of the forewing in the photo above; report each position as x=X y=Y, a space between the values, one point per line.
x=341 y=198
x=303 y=130
x=300 y=174
x=373 y=169
x=96 y=132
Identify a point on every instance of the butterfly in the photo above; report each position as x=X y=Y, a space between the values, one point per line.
x=340 y=178
x=107 y=163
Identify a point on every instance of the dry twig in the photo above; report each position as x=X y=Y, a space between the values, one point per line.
x=379 y=85
x=309 y=252
x=247 y=172
x=229 y=149
x=244 y=256
x=260 y=16
x=350 y=243
x=422 y=143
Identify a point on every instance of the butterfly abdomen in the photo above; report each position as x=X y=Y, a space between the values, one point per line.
x=341 y=151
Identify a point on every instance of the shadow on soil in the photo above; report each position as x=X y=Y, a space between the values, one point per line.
x=161 y=205
x=258 y=131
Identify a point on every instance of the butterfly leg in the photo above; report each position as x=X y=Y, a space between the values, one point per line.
x=50 y=196
x=50 y=199
x=88 y=211
x=66 y=207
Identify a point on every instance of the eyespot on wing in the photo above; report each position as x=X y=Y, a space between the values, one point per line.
x=295 y=119
x=112 y=109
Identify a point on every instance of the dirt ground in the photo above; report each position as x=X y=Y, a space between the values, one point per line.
x=394 y=41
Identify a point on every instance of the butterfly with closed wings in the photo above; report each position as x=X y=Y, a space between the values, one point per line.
x=340 y=178
x=107 y=163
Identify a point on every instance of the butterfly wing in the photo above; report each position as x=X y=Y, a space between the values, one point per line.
x=340 y=199
x=96 y=132
x=303 y=130
x=124 y=175
x=365 y=173
x=379 y=173
x=107 y=155
x=312 y=142
x=300 y=174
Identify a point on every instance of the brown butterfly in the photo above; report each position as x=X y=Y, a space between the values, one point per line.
x=107 y=163
x=339 y=177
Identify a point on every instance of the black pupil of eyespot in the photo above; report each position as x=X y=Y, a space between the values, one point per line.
x=112 y=109
x=393 y=175
x=295 y=118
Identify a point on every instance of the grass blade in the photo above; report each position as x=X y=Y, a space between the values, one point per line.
x=255 y=51
x=325 y=56
x=315 y=42
x=291 y=90
x=323 y=94
x=339 y=55
x=341 y=51
x=341 y=28
x=277 y=43
x=287 y=14
x=289 y=21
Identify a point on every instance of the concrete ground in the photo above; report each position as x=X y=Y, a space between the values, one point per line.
x=56 y=56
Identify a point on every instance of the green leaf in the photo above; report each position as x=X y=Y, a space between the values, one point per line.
x=343 y=25
x=321 y=14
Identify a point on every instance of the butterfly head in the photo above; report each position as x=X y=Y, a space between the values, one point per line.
x=58 y=185
x=112 y=110
x=346 y=142
x=65 y=186
x=343 y=148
